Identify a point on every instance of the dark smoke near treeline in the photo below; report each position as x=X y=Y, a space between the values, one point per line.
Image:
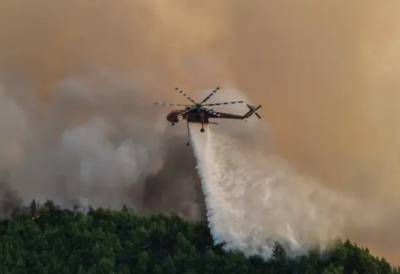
x=9 y=200
x=101 y=145
x=78 y=78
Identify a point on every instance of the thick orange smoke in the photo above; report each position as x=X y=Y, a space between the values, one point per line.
x=326 y=73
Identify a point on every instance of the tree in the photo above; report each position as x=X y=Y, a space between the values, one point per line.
x=168 y=266
x=331 y=269
x=279 y=259
x=106 y=266
x=109 y=241
x=142 y=263
x=33 y=208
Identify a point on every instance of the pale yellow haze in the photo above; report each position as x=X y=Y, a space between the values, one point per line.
x=326 y=72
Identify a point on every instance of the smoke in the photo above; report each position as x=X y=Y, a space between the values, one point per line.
x=91 y=144
x=325 y=72
x=176 y=187
x=9 y=199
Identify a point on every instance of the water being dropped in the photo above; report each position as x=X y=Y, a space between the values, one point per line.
x=254 y=200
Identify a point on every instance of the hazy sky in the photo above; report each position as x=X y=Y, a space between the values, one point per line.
x=327 y=73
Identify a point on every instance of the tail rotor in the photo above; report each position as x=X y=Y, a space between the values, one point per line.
x=253 y=110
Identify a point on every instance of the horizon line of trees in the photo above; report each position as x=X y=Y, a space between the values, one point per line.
x=48 y=239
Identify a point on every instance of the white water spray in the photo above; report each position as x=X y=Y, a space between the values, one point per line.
x=254 y=200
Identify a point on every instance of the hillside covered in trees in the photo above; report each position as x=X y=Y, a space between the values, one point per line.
x=48 y=239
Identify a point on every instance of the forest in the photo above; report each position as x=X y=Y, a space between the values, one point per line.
x=49 y=239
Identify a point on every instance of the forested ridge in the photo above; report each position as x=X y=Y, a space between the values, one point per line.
x=48 y=239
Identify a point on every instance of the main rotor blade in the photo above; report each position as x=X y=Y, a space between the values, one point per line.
x=210 y=95
x=224 y=103
x=186 y=95
x=170 y=104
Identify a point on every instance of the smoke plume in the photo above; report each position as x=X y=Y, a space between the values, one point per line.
x=90 y=145
x=78 y=78
x=9 y=199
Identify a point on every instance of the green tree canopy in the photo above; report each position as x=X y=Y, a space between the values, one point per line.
x=49 y=239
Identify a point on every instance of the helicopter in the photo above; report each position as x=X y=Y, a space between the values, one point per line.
x=200 y=112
